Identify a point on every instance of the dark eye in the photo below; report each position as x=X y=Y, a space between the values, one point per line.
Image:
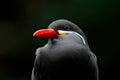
x=65 y=27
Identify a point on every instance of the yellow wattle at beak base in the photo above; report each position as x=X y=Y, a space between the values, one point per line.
x=62 y=34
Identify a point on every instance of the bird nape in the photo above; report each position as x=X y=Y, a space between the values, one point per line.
x=66 y=55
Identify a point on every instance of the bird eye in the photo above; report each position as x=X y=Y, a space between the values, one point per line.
x=65 y=27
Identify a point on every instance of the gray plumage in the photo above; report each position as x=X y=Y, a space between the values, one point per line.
x=66 y=57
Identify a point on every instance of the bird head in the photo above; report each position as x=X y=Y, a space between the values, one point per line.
x=60 y=28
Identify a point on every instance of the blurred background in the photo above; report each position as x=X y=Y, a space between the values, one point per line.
x=99 y=19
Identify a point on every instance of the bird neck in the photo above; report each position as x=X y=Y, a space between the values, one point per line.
x=51 y=41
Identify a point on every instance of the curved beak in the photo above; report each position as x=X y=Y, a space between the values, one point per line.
x=46 y=33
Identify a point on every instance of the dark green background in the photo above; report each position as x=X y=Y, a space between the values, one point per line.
x=99 y=19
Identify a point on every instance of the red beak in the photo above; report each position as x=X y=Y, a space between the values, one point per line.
x=46 y=33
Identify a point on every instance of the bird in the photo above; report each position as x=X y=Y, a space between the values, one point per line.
x=66 y=56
